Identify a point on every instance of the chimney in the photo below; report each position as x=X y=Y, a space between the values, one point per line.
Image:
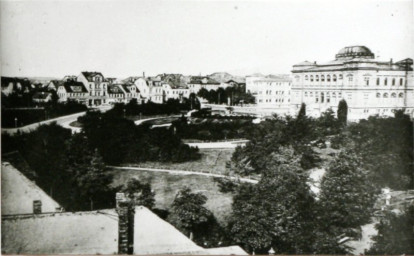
x=37 y=206
x=390 y=62
x=125 y=224
x=143 y=74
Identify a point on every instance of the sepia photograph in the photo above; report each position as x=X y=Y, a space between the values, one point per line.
x=207 y=127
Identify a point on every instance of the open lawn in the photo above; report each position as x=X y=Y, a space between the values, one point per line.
x=212 y=161
x=166 y=186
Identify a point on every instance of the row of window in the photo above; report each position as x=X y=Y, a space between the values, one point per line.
x=259 y=83
x=76 y=95
x=328 y=78
x=275 y=100
x=311 y=78
x=393 y=95
x=96 y=86
x=269 y=92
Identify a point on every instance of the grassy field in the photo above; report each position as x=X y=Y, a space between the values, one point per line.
x=166 y=185
x=212 y=161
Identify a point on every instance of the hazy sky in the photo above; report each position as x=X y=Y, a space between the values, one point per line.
x=125 y=38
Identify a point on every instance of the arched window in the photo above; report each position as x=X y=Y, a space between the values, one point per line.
x=378 y=81
x=334 y=78
x=340 y=77
x=322 y=97
x=323 y=78
x=393 y=81
x=401 y=95
x=401 y=81
x=385 y=95
x=328 y=78
x=385 y=81
x=378 y=95
x=393 y=95
x=311 y=78
x=306 y=78
x=317 y=78
x=333 y=95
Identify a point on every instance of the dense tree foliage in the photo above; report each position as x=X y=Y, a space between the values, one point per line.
x=279 y=211
x=66 y=166
x=172 y=106
x=395 y=234
x=188 y=212
x=386 y=146
x=342 y=112
x=230 y=95
x=347 y=196
x=139 y=193
x=110 y=133
x=213 y=128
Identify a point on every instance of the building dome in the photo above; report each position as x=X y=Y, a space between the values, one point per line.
x=355 y=52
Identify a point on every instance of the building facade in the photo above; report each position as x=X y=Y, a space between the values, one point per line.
x=97 y=87
x=369 y=86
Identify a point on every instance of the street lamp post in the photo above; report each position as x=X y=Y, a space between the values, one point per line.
x=15 y=122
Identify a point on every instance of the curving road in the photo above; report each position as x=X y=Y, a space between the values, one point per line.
x=62 y=120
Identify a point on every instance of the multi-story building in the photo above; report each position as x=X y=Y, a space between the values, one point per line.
x=96 y=85
x=369 y=86
x=197 y=82
x=271 y=93
x=175 y=92
x=72 y=90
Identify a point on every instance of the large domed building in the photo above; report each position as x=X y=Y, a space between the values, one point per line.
x=369 y=86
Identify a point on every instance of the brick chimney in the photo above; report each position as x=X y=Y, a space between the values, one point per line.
x=37 y=206
x=125 y=224
x=143 y=74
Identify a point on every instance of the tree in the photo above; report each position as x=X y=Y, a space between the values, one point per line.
x=89 y=178
x=188 y=212
x=302 y=111
x=342 y=112
x=395 y=234
x=346 y=197
x=276 y=212
x=139 y=193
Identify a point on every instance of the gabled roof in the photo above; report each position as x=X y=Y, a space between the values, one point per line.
x=74 y=86
x=18 y=193
x=90 y=75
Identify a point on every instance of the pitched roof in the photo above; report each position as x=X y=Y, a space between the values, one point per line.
x=74 y=86
x=115 y=89
x=90 y=75
x=56 y=83
x=18 y=193
x=17 y=160
x=90 y=233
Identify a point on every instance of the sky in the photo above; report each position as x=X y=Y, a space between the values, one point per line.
x=127 y=38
